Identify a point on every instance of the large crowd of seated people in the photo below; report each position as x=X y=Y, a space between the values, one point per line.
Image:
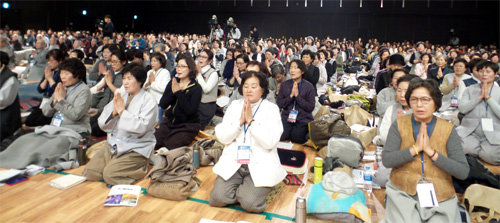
x=150 y=91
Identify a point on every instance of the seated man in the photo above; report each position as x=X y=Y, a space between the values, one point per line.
x=36 y=64
x=385 y=97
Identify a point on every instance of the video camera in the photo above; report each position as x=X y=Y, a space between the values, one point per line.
x=99 y=23
x=213 y=22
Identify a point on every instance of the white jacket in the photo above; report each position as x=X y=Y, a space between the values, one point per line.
x=263 y=136
x=162 y=77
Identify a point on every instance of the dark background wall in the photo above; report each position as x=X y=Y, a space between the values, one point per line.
x=474 y=21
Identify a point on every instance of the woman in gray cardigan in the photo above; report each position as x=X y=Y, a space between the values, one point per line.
x=481 y=106
x=52 y=145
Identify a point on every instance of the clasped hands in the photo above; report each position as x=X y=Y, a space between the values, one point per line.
x=246 y=113
x=423 y=144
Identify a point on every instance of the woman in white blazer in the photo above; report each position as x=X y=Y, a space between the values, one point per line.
x=481 y=123
x=249 y=166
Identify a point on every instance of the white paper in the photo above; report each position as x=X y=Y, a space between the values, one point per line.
x=285 y=145
x=487 y=124
x=7 y=174
x=427 y=195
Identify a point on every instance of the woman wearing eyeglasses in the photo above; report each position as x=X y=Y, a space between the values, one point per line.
x=182 y=98
x=424 y=152
x=208 y=79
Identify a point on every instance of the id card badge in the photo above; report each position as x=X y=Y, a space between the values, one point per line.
x=487 y=124
x=454 y=101
x=292 y=116
x=426 y=194
x=45 y=100
x=243 y=156
x=57 y=120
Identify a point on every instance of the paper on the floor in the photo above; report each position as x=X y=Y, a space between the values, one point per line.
x=123 y=195
x=204 y=220
x=67 y=181
x=285 y=145
x=7 y=174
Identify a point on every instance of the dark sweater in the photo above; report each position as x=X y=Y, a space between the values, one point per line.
x=183 y=103
x=312 y=75
x=305 y=100
x=49 y=89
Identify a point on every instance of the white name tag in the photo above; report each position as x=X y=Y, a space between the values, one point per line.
x=243 y=154
x=57 y=121
x=427 y=195
x=487 y=124
x=454 y=101
x=292 y=116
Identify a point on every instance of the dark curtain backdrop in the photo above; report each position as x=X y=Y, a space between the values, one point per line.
x=473 y=21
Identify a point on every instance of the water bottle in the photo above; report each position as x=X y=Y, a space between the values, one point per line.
x=196 y=159
x=81 y=151
x=300 y=210
x=367 y=175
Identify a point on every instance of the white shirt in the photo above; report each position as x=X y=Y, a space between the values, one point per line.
x=263 y=135
x=162 y=77
x=323 y=77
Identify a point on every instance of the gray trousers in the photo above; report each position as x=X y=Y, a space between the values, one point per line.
x=401 y=207
x=239 y=188
x=476 y=144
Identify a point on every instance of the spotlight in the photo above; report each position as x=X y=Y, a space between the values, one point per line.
x=5 y=5
x=84 y=12
x=135 y=17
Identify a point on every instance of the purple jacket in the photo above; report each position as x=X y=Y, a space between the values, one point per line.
x=305 y=100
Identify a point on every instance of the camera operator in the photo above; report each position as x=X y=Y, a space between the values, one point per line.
x=219 y=32
x=108 y=27
x=235 y=33
x=254 y=34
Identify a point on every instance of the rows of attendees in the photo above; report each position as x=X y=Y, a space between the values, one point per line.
x=135 y=82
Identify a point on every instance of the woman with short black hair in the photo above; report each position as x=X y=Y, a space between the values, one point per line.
x=424 y=152
x=182 y=97
x=296 y=100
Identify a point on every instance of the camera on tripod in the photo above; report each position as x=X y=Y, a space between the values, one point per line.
x=99 y=23
x=213 y=22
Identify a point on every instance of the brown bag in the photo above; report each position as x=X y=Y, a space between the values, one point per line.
x=210 y=150
x=356 y=115
x=321 y=129
x=175 y=191
x=366 y=136
x=323 y=110
x=478 y=195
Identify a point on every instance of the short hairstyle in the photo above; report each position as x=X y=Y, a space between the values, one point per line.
x=107 y=16
x=277 y=69
x=323 y=52
x=120 y=54
x=489 y=64
x=4 y=58
x=193 y=71
x=431 y=85
x=56 y=54
x=428 y=55
x=160 y=46
x=75 y=67
x=475 y=63
x=79 y=53
x=407 y=78
x=460 y=60
x=244 y=57
x=272 y=50
x=397 y=59
x=135 y=53
x=111 y=47
x=301 y=65
x=209 y=53
x=262 y=82
x=160 y=58
x=136 y=70
x=307 y=52
x=398 y=70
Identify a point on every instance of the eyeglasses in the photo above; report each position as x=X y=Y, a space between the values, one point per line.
x=182 y=66
x=423 y=100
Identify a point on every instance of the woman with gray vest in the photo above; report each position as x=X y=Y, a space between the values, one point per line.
x=208 y=79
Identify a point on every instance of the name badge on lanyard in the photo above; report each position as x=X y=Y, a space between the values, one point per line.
x=454 y=101
x=292 y=116
x=243 y=154
x=487 y=124
x=426 y=194
x=57 y=120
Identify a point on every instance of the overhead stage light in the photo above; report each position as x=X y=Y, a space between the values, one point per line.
x=5 y=5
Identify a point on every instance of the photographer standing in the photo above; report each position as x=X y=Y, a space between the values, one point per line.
x=108 y=27
x=254 y=35
x=235 y=32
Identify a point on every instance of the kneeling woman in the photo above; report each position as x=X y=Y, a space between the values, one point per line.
x=49 y=144
x=296 y=99
x=129 y=120
x=424 y=152
x=249 y=166
x=182 y=98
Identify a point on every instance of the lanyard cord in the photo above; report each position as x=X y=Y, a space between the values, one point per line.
x=245 y=127
x=294 y=99
x=71 y=90
x=415 y=135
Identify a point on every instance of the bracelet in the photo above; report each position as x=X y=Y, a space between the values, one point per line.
x=414 y=149
x=433 y=154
